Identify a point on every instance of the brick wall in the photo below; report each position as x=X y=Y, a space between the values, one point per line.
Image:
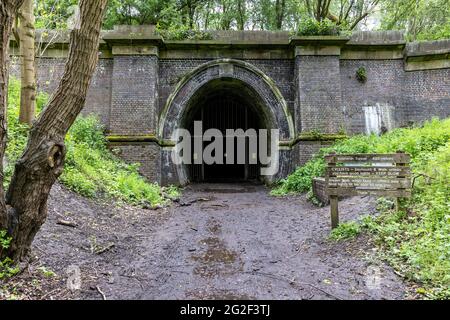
x=385 y=79
x=134 y=95
x=172 y=70
x=322 y=93
x=426 y=94
x=319 y=93
x=50 y=71
x=147 y=155
x=305 y=150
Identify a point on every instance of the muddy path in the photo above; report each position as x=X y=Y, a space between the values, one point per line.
x=220 y=241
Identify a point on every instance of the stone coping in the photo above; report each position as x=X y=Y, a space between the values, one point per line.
x=439 y=47
x=358 y=41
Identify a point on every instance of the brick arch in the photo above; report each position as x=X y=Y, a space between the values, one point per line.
x=272 y=104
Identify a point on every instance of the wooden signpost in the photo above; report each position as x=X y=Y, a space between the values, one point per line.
x=386 y=175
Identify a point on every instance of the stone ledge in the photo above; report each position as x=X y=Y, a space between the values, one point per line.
x=426 y=48
x=427 y=55
x=318 y=40
x=138 y=139
x=132 y=138
x=377 y=38
x=308 y=136
x=139 y=50
x=370 y=45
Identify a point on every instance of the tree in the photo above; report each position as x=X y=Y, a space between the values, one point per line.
x=135 y=12
x=348 y=13
x=53 y=14
x=8 y=12
x=280 y=11
x=25 y=36
x=241 y=11
x=319 y=9
x=24 y=209
x=421 y=19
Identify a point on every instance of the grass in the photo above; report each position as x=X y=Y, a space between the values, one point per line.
x=418 y=142
x=345 y=230
x=416 y=239
x=7 y=268
x=90 y=168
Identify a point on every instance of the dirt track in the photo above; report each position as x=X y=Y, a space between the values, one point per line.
x=219 y=242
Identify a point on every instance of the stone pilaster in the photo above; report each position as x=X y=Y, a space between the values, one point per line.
x=318 y=84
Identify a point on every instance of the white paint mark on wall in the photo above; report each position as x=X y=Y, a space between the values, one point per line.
x=378 y=118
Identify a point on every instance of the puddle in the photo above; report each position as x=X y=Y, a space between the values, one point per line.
x=217 y=259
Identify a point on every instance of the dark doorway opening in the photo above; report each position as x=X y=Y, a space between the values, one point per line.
x=226 y=109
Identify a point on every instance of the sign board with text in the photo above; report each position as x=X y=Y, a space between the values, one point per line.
x=386 y=175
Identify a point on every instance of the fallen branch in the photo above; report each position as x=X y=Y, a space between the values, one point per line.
x=66 y=223
x=101 y=292
x=104 y=249
x=188 y=203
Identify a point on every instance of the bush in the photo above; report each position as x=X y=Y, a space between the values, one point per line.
x=90 y=168
x=312 y=27
x=7 y=269
x=418 y=241
x=361 y=74
x=415 y=241
x=183 y=33
x=418 y=142
x=345 y=231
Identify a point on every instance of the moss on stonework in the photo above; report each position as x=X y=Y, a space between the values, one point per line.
x=317 y=136
x=126 y=138
x=118 y=139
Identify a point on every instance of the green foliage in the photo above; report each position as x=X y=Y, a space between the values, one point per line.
x=345 y=230
x=4 y=240
x=54 y=14
x=184 y=33
x=438 y=32
x=416 y=240
x=7 y=269
x=46 y=272
x=17 y=132
x=422 y=19
x=418 y=142
x=139 y=12
x=90 y=168
x=301 y=179
x=361 y=74
x=312 y=27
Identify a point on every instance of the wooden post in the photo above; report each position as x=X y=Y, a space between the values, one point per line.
x=397 y=199
x=334 y=211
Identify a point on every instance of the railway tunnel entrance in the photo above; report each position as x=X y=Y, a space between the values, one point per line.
x=228 y=106
x=223 y=95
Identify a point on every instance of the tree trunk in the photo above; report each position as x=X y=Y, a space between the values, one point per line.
x=280 y=7
x=241 y=9
x=28 y=71
x=42 y=161
x=8 y=11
